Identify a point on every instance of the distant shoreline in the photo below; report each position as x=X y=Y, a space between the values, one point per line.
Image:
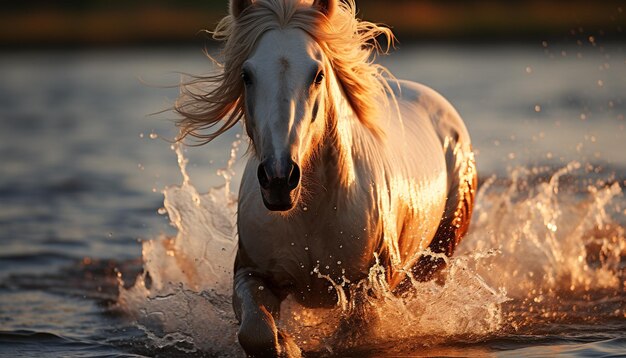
x=472 y=22
x=213 y=47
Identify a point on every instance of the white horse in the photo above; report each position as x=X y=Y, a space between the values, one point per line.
x=345 y=162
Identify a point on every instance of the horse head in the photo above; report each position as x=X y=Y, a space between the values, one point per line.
x=285 y=87
x=290 y=70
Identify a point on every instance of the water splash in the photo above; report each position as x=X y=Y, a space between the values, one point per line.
x=183 y=297
x=538 y=251
x=562 y=252
x=458 y=306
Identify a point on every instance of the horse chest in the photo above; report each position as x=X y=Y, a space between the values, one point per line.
x=302 y=254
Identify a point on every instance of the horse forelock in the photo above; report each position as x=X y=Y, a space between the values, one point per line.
x=216 y=100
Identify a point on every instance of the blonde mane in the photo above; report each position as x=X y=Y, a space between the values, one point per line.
x=349 y=44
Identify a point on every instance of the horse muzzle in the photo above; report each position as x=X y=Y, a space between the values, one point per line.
x=280 y=183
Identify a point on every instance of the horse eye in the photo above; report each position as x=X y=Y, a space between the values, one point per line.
x=247 y=79
x=319 y=78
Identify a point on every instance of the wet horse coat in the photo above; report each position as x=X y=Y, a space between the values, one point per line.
x=335 y=179
x=338 y=228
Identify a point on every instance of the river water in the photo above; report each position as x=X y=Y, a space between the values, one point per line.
x=109 y=248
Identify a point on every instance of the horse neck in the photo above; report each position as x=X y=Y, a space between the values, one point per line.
x=335 y=166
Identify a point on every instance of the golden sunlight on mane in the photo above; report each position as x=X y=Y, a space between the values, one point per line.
x=216 y=100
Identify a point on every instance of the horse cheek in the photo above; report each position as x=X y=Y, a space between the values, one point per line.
x=317 y=124
x=249 y=124
x=315 y=112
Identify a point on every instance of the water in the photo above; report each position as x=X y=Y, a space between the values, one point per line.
x=82 y=212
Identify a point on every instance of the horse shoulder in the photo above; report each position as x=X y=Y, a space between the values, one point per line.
x=439 y=136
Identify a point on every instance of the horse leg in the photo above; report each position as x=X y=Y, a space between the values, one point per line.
x=356 y=325
x=257 y=308
x=457 y=215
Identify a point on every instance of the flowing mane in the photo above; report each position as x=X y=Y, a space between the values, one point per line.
x=216 y=100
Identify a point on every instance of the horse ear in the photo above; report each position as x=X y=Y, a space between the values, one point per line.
x=327 y=7
x=238 y=6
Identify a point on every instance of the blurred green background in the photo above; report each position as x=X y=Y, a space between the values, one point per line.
x=102 y=22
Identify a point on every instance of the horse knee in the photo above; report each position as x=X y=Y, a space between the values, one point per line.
x=258 y=335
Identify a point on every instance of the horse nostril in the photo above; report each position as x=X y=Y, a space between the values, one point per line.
x=264 y=181
x=294 y=177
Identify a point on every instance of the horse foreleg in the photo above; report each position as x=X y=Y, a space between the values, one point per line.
x=257 y=308
x=357 y=324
